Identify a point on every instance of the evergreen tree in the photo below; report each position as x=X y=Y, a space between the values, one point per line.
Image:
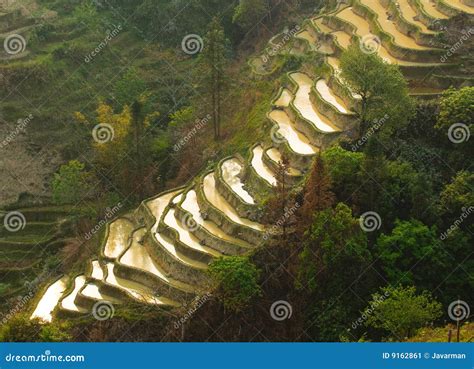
x=213 y=60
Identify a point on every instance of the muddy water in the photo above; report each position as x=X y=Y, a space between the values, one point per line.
x=185 y=236
x=389 y=26
x=343 y=39
x=68 y=302
x=410 y=15
x=97 y=272
x=138 y=257
x=305 y=107
x=275 y=155
x=118 y=238
x=260 y=167
x=92 y=290
x=191 y=205
x=216 y=200
x=327 y=94
x=305 y=35
x=322 y=27
x=138 y=291
x=230 y=173
x=298 y=142
x=431 y=9
x=157 y=206
x=284 y=99
x=49 y=300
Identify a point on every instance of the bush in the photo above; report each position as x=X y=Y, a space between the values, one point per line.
x=236 y=281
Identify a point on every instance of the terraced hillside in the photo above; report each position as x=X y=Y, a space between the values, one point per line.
x=159 y=253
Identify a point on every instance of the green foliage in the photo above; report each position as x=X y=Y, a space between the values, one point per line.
x=458 y=194
x=335 y=244
x=456 y=106
x=411 y=243
x=236 y=280
x=21 y=329
x=344 y=167
x=71 y=184
x=129 y=88
x=403 y=312
x=382 y=87
x=250 y=13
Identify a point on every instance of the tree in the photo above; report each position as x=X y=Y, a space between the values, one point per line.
x=403 y=312
x=412 y=254
x=456 y=107
x=213 y=60
x=457 y=195
x=344 y=167
x=335 y=251
x=72 y=183
x=250 y=13
x=277 y=207
x=382 y=88
x=129 y=88
x=317 y=193
x=236 y=281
